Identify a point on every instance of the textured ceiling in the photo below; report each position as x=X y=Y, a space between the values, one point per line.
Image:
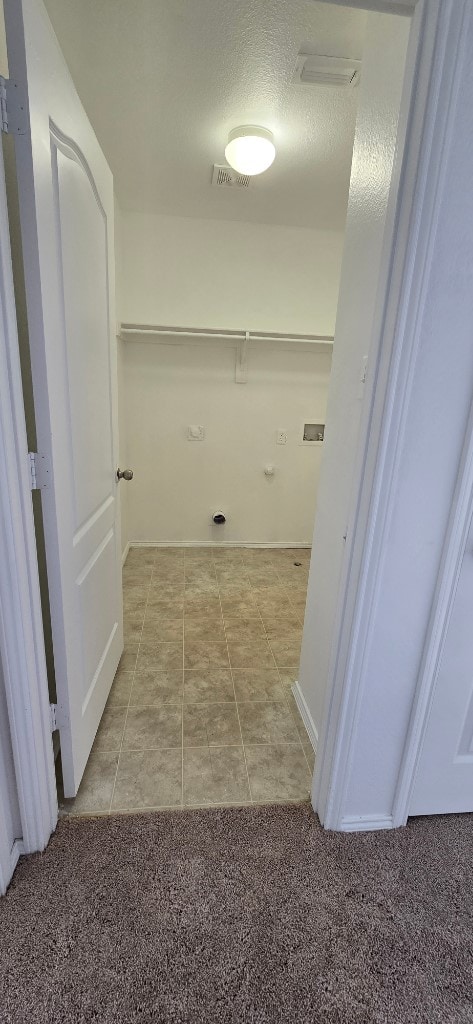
x=163 y=82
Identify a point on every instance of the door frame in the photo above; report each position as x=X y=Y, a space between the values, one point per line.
x=428 y=105
x=21 y=625
x=435 y=60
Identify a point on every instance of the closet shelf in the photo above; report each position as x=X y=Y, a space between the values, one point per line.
x=210 y=332
x=243 y=339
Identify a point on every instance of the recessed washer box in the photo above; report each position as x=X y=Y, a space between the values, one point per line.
x=312 y=433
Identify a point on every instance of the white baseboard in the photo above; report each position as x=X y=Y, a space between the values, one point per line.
x=366 y=822
x=306 y=716
x=125 y=553
x=212 y=544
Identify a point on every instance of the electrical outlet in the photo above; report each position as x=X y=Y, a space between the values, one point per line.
x=281 y=437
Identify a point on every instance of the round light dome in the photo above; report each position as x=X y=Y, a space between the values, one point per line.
x=250 y=150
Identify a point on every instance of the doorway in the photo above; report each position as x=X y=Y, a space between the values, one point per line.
x=160 y=246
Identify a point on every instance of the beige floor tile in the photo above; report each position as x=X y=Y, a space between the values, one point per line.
x=134 y=599
x=157 y=657
x=148 y=727
x=110 y=730
x=215 y=775
x=258 y=684
x=227 y=556
x=200 y=573
x=95 y=790
x=201 y=606
x=148 y=778
x=167 y=608
x=287 y=653
x=309 y=754
x=127 y=661
x=243 y=629
x=208 y=686
x=270 y=594
x=202 y=588
x=133 y=626
x=210 y=630
x=157 y=629
x=278 y=772
x=139 y=558
x=213 y=725
x=193 y=554
x=162 y=592
x=301 y=729
x=298 y=602
x=120 y=690
x=263 y=580
x=267 y=722
x=135 y=589
x=168 y=556
x=283 y=627
x=237 y=592
x=239 y=606
x=234 y=576
x=136 y=577
x=159 y=687
x=295 y=583
x=250 y=655
x=165 y=578
x=273 y=607
x=200 y=655
x=288 y=676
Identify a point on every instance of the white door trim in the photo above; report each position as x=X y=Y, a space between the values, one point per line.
x=433 y=70
x=453 y=554
x=21 y=627
x=436 y=34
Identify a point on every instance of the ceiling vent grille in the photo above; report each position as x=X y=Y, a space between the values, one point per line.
x=226 y=177
x=314 y=69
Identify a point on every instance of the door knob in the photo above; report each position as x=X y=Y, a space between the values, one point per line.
x=124 y=474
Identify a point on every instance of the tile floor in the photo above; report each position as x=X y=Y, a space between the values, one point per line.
x=201 y=709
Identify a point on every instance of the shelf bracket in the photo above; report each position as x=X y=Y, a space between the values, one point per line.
x=241 y=367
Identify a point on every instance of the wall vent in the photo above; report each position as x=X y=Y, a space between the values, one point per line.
x=226 y=177
x=315 y=69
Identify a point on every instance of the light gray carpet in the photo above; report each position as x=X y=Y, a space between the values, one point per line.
x=240 y=915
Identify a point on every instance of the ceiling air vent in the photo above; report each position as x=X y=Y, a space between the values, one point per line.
x=226 y=177
x=314 y=69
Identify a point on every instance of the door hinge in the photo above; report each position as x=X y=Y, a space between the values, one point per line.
x=13 y=107
x=39 y=471
x=53 y=717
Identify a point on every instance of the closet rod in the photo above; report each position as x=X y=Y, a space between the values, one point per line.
x=201 y=332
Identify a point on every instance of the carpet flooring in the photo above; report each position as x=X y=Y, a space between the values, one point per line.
x=240 y=915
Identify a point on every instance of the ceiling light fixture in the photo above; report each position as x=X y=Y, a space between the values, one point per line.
x=250 y=150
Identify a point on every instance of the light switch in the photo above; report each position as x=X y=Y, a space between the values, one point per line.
x=195 y=433
x=281 y=437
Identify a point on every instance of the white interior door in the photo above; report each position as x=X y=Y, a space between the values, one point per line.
x=66 y=203
x=444 y=779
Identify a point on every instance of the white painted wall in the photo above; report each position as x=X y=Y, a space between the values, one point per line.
x=180 y=271
x=209 y=273
x=429 y=456
x=178 y=483
x=375 y=139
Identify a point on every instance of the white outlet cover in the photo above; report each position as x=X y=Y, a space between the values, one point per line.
x=195 y=433
x=281 y=437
